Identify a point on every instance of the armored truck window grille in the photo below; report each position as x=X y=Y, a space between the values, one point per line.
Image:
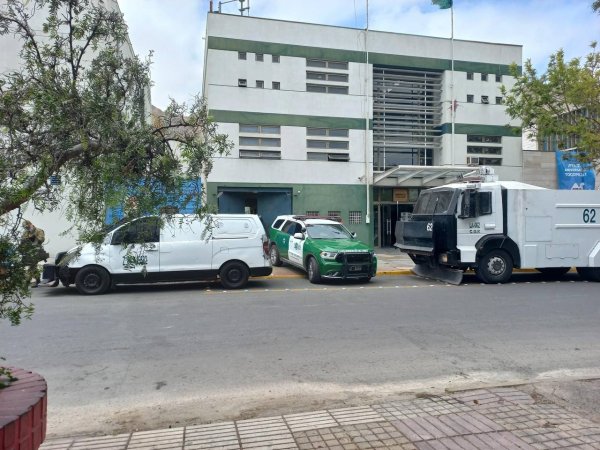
x=330 y=132
x=339 y=145
x=326 y=89
x=323 y=76
x=322 y=156
x=262 y=129
x=260 y=141
x=355 y=217
x=484 y=139
x=474 y=149
x=336 y=65
x=312 y=213
x=259 y=154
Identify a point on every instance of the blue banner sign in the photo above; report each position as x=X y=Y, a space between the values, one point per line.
x=572 y=173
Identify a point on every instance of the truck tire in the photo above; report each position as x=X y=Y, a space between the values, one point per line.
x=496 y=266
x=92 y=280
x=589 y=273
x=274 y=256
x=234 y=275
x=553 y=272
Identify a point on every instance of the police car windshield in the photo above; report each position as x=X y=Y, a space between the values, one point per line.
x=431 y=202
x=327 y=231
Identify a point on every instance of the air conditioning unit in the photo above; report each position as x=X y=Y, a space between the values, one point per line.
x=485 y=99
x=242 y=82
x=472 y=160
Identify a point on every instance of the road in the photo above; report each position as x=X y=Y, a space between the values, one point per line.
x=152 y=356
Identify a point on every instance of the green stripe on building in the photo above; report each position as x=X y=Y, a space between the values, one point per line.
x=301 y=51
x=257 y=118
x=482 y=130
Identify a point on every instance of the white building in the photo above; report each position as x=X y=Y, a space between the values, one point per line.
x=322 y=117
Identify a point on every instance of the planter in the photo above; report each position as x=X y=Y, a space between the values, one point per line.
x=23 y=412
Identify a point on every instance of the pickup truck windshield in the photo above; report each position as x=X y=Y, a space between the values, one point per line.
x=327 y=231
x=433 y=201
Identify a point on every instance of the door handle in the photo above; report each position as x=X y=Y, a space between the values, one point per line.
x=489 y=226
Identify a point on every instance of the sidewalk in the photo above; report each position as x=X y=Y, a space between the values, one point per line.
x=390 y=261
x=494 y=418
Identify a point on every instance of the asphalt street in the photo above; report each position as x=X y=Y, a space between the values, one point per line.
x=144 y=357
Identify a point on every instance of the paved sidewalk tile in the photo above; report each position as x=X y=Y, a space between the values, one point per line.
x=495 y=418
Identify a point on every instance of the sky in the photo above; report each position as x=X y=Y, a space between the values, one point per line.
x=173 y=29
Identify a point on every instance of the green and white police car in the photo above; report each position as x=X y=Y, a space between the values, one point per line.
x=324 y=248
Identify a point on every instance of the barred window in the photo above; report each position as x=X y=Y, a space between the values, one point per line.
x=312 y=213
x=486 y=139
x=259 y=154
x=334 y=214
x=264 y=129
x=355 y=217
x=337 y=65
x=312 y=143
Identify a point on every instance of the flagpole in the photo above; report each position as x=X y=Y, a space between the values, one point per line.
x=452 y=106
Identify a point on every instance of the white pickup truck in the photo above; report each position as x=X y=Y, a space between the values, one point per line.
x=495 y=226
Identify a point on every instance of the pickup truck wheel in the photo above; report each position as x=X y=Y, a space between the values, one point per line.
x=92 y=280
x=495 y=267
x=553 y=272
x=274 y=256
x=589 y=273
x=313 y=271
x=234 y=275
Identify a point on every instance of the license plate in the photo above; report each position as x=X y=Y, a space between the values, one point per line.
x=355 y=268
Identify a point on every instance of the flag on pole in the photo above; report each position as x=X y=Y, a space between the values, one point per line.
x=443 y=4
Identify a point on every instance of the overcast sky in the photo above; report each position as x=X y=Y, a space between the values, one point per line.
x=173 y=29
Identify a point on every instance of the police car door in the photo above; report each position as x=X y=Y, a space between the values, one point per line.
x=296 y=247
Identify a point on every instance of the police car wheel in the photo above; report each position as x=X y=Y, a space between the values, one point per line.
x=274 y=256
x=92 y=280
x=495 y=267
x=234 y=275
x=313 y=271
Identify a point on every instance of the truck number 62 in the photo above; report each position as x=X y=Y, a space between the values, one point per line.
x=589 y=215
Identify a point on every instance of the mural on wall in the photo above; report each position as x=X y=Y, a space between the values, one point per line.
x=572 y=173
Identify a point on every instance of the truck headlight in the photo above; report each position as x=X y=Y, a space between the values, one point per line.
x=329 y=255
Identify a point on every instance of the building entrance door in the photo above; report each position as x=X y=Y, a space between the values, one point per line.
x=387 y=214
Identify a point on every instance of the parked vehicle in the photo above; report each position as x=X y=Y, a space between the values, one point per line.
x=494 y=226
x=183 y=248
x=322 y=247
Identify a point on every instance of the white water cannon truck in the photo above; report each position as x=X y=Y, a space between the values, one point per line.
x=493 y=226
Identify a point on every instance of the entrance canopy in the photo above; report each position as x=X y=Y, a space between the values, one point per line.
x=421 y=175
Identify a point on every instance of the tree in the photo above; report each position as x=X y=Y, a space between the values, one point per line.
x=77 y=108
x=563 y=102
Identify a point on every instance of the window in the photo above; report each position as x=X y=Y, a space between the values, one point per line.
x=242 y=55
x=276 y=85
x=260 y=141
x=332 y=132
x=474 y=149
x=470 y=98
x=469 y=75
x=292 y=228
x=355 y=217
x=484 y=77
x=490 y=161
x=323 y=76
x=242 y=82
x=260 y=84
x=264 y=129
x=336 y=65
x=485 y=99
x=486 y=139
x=498 y=100
x=327 y=89
x=498 y=78
x=335 y=215
x=312 y=213
x=275 y=58
x=340 y=145
x=321 y=156
x=277 y=223
x=139 y=231
x=260 y=57
x=259 y=154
